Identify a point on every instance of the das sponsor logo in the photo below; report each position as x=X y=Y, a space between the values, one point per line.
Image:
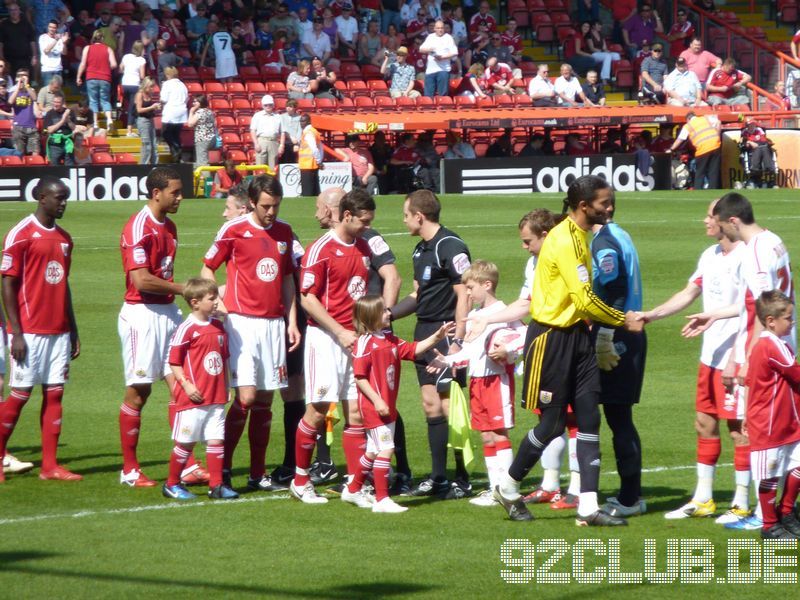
x=267 y=269
x=357 y=287
x=54 y=272
x=213 y=364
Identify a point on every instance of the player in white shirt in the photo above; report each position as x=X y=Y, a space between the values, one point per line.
x=717 y=279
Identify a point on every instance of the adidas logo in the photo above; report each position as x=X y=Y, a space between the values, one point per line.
x=36 y=234
x=339 y=253
x=195 y=334
x=247 y=234
x=595 y=462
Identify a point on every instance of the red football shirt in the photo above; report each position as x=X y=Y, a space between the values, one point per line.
x=476 y=19
x=201 y=348
x=758 y=135
x=336 y=273
x=377 y=359
x=406 y=154
x=148 y=244
x=513 y=41
x=720 y=77
x=41 y=259
x=773 y=415
x=503 y=75
x=257 y=260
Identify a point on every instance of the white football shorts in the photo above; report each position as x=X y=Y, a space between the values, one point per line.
x=328 y=368
x=145 y=331
x=47 y=361
x=2 y=351
x=380 y=438
x=199 y=424
x=258 y=352
x=774 y=462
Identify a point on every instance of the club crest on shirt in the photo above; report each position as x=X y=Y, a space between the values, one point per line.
x=366 y=261
x=426 y=274
x=322 y=391
x=140 y=373
x=390 y=373
x=65 y=248
x=545 y=397
x=282 y=247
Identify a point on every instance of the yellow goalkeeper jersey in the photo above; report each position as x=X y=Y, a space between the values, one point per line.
x=562 y=285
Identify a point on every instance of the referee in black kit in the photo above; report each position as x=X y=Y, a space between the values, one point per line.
x=439 y=297
x=560 y=359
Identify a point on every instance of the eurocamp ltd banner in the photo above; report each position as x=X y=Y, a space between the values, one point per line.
x=98 y=182
x=787 y=141
x=520 y=175
x=335 y=174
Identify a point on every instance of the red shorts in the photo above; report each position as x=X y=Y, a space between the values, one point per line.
x=491 y=402
x=712 y=397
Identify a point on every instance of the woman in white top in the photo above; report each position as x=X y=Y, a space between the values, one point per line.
x=174 y=113
x=132 y=68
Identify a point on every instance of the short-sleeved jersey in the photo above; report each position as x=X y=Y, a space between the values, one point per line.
x=147 y=243
x=257 y=260
x=527 y=286
x=503 y=75
x=562 y=286
x=438 y=265
x=719 y=77
x=773 y=415
x=718 y=275
x=616 y=277
x=757 y=135
x=765 y=266
x=377 y=359
x=201 y=348
x=381 y=255
x=223 y=45
x=336 y=273
x=40 y=258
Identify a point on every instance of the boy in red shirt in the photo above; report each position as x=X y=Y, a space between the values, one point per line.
x=198 y=358
x=773 y=417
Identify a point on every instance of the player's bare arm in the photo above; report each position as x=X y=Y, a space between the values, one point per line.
x=18 y=348
x=370 y=394
x=316 y=310
x=462 y=310
x=144 y=281
x=516 y=311
x=289 y=298
x=406 y=306
x=429 y=342
x=675 y=304
x=699 y=322
x=74 y=339
x=191 y=391
x=391 y=284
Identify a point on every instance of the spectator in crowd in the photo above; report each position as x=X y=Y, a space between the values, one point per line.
x=316 y=43
x=700 y=61
x=577 y=51
x=41 y=12
x=292 y=131
x=59 y=124
x=727 y=85
x=512 y=39
x=472 y=83
x=680 y=34
x=147 y=107
x=794 y=45
x=368 y=11
x=499 y=77
x=282 y=20
x=404 y=160
x=478 y=46
x=104 y=19
x=225 y=178
x=458 y=28
x=45 y=96
x=330 y=27
x=780 y=92
x=346 y=32
x=654 y=69
x=18 y=40
x=24 y=132
x=166 y=58
x=588 y=10
x=534 y=147
x=326 y=80
x=6 y=113
x=428 y=172
x=499 y=50
x=196 y=28
x=501 y=147
x=52 y=46
x=133 y=32
x=440 y=50
x=706 y=5
x=575 y=146
x=758 y=147
x=97 y=63
x=240 y=45
x=201 y=119
x=132 y=67
x=81 y=153
x=392 y=40
x=594 y=92
x=612 y=144
x=702 y=132
x=483 y=15
x=640 y=27
x=361 y=162
x=84 y=119
x=269 y=139
x=458 y=148
x=381 y=155
x=401 y=75
x=298 y=84
x=568 y=88
x=174 y=97
x=370 y=46
x=597 y=46
x=5 y=74
x=310 y=157
x=113 y=37
x=83 y=25
x=541 y=89
x=621 y=11
x=390 y=15
x=663 y=140
x=225 y=68
x=682 y=86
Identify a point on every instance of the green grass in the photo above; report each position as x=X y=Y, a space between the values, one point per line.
x=86 y=540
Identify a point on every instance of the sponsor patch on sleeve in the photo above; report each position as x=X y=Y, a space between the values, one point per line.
x=607 y=264
x=378 y=245
x=212 y=251
x=460 y=263
x=297 y=250
x=583 y=274
x=139 y=255
x=308 y=280
x=8 y=260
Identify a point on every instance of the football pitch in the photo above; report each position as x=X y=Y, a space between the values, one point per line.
x=98 y=539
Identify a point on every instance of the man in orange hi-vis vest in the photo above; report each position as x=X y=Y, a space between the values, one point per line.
x=309 y=157
x=703 y=133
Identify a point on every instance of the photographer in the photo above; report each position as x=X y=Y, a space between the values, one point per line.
x=401 y=74
x=26 y=111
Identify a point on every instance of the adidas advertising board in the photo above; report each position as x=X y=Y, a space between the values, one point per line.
x=335 y=174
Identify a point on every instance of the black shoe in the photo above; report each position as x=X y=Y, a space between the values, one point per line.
x=458 y=489
x=516 y=509
x=321 y=473
x=600 y=519
x=280 y=478
x=226 y=478
x=777 y=532
x=791 y=524
x=336 y=489
x=429 y=487
x=401 y=486
x=222 y=492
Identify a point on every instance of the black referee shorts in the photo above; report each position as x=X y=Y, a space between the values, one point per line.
x=623 y=383
x=442 y=379
x=294 y=359
x=560 y=365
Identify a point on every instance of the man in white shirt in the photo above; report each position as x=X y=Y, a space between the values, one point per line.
x=267 y=133
x=346 y=32
x=316 y=43
x=568 y=88
x=292 y=131
x=52 y=46
x=441 y=50
x=541 y=89
x=682 y=86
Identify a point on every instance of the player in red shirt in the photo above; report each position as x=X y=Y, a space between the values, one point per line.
x=773 y=416
x=257 y=250
x=334 y=275
x=37 y=255
x=149 y=316
x=198 y=358
x=376 y=364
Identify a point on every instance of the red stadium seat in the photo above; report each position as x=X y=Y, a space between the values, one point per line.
x=425 y=103
x=543 y=29
x=305 y=104
x=102 y=158
x=207 y=73
x=236 y=155
x=364 y=104
x=350 y=71
x=346 y=105
x=385 y=103
x=34 y=160
x=371 y=72
x=523 y=100
x=214 y=157
x=213 y=87
x=276 y=86
x=227 y=124
x=123 y=9
x=405 y=103
x=193 y=87
x=467 y=101
x=487 y=102
x=98 y=143
x=376 y=85
x=235 y=87
x=249 y=73
x=240 y=104
x=443 y=102
x=8 y=161
x=504 y=101
x=325 y=104
x=255 y=87
x=125 y=158
x=188 y=74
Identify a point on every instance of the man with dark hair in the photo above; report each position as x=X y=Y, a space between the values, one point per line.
x=37 y=255
x=703 y=132
x=59 y=124
x=18 y=40
x=24 y=131
x=310 y=156
x=440 y=258
x=727 y=85
x=256 y=249
x=654 y=70
x=361 y=161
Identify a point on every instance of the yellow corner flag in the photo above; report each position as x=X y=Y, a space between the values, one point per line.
x=458 y=423
x=331 y=419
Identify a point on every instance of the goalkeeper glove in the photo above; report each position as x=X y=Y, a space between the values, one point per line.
x=607 y=357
